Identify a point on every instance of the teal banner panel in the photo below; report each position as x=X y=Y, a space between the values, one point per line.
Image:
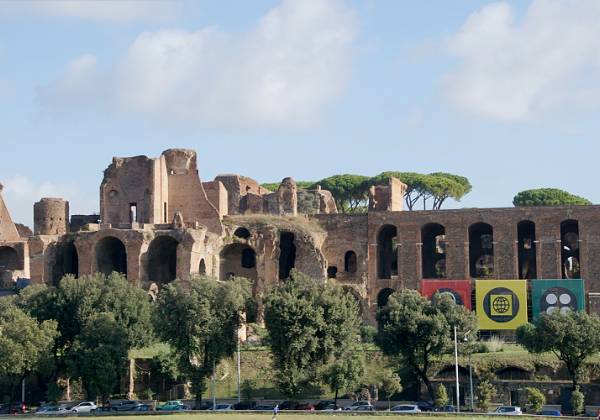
x=565 y=295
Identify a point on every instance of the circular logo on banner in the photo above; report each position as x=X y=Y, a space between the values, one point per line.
x=501 y=304
x=558 y=299
x=454 y=295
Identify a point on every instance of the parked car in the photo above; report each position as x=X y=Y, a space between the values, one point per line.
x=356 y=404
x=53 y=410
x=331 y=407
x=508 y=410
x=264 y=407
x=322 y=404
x=305 y=407
x=204 y=406
x=245 y=405
x=552 y=413
x=288 y=405
x=142 y=407
x=446 y=409
x=174 y=405
x=84 y=407
x=102 y=409
x=405 y=408
x=223 y=407
x=126 y=405
x=425 y=406
x=364 y=408
x=13 y=408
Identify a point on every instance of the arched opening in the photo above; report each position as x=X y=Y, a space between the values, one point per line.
x=111 y=256
x=66 y=261
x=481 y=250
x=202 y=267
x=526 y=249
x=331 y=272
x=383 y=297
x=9 y=261
x=350 y=262
x=162 y=260
x=242 y=233
x=513 y=373
x=287 y=254
x=387 y=252
x=433 y=255
x=238 y=260
x=569 y=245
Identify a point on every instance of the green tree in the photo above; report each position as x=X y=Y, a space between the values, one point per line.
x=274 y=186
x=443 y=185
x=440 y=398
x=548 y=197
x=573 y=337
x=199 y=319
x=99 y=355
x=419 y=329
x=485 y=393
x=390 y=384
x=25 y=343
x=350 y=192
x=76 y=300
x=345 y=373
x=577 y=402
x=310 y=323
x=536 y=399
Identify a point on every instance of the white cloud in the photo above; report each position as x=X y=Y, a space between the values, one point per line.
x=515 y=70
x=284 y=71
x=96 y=10
x=20 y=193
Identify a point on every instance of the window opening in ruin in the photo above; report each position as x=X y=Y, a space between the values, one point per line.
x=66 y=261
x=242 y=233
x=238 y=260
x=287 y=254
x=569 y=244
x=331 y=272
x=162 y=260
x=481 y=250
x=202 y=267
x=133 y=213
x=387 y=252
x=350 y=262
x=248 y=258
x=9 y=261
x=526 y=249
x=111 y=256
x=433 y=251
x=165 y=220
x=383 y=297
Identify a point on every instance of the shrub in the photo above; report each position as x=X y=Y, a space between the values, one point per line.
x=367 y=333
x=536 y=399
x=494 y=344
x=485 y=394
x=577 y=402
x=441 y=396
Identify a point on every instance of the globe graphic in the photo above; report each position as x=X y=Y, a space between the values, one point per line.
x=501 y=305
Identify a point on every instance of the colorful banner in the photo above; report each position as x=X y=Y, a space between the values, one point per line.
x=458 y=290
x=501 y=304
x=548 y=296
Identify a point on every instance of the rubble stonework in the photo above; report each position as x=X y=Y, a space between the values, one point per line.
x=158 y=221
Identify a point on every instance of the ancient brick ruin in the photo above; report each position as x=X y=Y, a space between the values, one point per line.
x=158 y=221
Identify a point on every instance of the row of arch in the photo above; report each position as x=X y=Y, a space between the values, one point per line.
x=481 y=250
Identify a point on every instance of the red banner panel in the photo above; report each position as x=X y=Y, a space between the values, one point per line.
x=459 y=290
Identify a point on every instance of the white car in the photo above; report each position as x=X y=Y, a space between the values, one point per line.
x=405 y=408
x=357 y=404
x=508 y=410
x=84 y=407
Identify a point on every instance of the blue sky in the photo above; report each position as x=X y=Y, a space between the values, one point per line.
x=505 y=93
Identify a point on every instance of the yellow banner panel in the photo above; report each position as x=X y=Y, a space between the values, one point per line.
x=501 y=304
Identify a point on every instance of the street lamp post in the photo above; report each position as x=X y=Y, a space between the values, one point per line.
x=456 y=372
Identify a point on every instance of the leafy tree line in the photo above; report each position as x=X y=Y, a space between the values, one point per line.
x=351 y=192
x=548 y=197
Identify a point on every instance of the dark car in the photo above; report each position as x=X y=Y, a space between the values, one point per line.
x=142 y=407
x=245 y=405
x=555 y=413
x=425 y=406
x=102 y=409
x=446 y=409
x=288 y=405
x=264 y=407
x=305 y=407
x=204 y=406
x=14 y=408
x=127 y=405
x=322 y=405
